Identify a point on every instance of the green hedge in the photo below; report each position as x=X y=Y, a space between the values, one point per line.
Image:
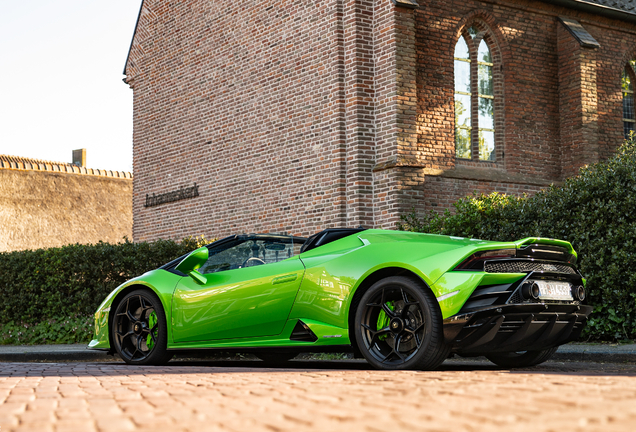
x=595 y=211
x=73 y=329
x=70 y=282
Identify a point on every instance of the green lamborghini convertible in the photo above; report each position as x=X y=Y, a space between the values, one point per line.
x=401 y=300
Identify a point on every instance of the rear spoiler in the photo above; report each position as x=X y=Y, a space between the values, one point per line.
x=546 y=241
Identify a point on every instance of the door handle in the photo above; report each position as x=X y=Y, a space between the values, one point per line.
x=285 y=279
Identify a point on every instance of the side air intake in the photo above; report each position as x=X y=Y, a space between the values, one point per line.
x=302 y=333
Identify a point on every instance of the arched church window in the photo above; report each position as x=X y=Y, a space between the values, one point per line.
x=486 y=103
x=627 y=84
x=479 y=96
x=463 y=130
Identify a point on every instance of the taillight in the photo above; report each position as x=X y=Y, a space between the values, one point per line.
x=476 y=260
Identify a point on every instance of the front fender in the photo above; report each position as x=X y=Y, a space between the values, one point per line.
x=161 y=282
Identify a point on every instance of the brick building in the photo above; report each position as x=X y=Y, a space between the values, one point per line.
x=300 y=115
x=49 y=204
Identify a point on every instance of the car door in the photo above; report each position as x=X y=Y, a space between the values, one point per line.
x=246 y=294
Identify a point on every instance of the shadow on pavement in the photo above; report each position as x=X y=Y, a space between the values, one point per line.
x=325 y=365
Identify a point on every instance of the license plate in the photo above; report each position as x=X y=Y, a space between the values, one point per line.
x=552 y=290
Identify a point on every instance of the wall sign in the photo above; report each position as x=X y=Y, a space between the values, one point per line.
x=180 y=194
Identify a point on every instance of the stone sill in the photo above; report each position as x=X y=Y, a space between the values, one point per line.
x=411 y=4
x=467 y=173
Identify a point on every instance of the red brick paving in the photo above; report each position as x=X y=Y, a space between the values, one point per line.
x=464 y=397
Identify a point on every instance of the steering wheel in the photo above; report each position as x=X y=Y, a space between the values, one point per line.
x=252 y=261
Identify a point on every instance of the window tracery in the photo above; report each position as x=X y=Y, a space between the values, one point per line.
x=627 y=85
x=474 y=94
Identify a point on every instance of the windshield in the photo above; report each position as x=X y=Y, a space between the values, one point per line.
x=249 y=251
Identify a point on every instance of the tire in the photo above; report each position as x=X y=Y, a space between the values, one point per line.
x=398 y=325
x=522 y=358
x=139 y=330
x=275 y=358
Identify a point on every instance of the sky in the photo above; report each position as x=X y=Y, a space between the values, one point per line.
x=61 y=71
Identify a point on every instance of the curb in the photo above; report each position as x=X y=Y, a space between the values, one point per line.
x=594 y=357
x=42 y=353
x=596 y=353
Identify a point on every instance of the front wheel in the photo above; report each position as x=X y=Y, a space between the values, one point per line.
x=139 y=329
x=398 y=325
x=521 y=358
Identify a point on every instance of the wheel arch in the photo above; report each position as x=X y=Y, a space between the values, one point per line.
x=115 y=303
x=366 y=283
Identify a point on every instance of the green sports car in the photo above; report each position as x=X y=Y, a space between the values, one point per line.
x=399 y=299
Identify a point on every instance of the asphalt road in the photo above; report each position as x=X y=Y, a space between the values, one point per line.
x=316 y=396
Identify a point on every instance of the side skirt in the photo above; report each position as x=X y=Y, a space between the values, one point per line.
x=203 y=352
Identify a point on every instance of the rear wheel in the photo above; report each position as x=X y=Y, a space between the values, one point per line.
x=139 y=329
x=398 y=325
x=521 y=359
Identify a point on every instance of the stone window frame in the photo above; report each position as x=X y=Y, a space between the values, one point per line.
x=628 y=69
x=485 y=33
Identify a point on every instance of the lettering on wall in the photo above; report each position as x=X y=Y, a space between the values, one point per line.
x=177 y=195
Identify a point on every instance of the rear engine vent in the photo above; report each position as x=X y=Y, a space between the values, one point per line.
x=485 y=296
x=516 y=298
x=526 y=266
x=302 y=333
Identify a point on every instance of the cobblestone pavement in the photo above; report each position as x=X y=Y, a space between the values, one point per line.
x=315 y=396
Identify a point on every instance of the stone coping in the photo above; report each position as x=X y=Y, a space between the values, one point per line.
x=29 y=164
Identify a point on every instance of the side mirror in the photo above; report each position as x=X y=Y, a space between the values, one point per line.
x=192 y=263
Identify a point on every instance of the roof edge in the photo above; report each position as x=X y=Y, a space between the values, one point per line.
x=133 y=36
x=595 y=8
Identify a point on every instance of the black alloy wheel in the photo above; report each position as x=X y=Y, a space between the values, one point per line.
x=398 y=325
x=139 y=329
x=521 y=359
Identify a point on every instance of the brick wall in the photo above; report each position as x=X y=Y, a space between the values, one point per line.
x=297 y=116
x=577 y=103
x=245 y=99
x=270 y=107
x=562 y=102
